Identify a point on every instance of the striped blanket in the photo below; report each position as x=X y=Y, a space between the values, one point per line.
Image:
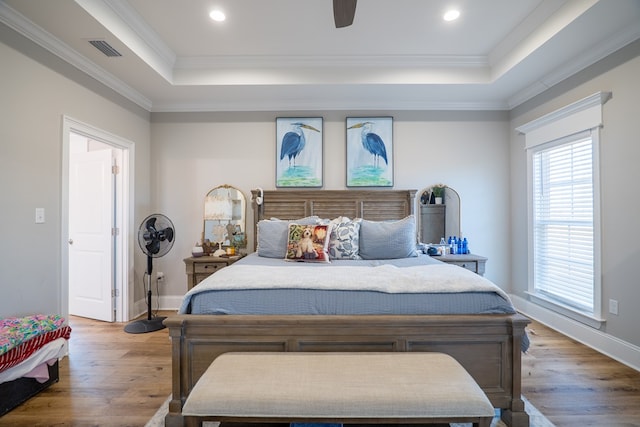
x=22 y=336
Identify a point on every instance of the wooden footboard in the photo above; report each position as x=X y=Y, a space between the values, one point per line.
x=488 y=346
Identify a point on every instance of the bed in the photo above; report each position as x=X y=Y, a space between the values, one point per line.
x=487 y=342
x=30 y=348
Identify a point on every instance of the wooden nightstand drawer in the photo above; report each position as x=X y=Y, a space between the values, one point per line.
x=200 y=268
x=469 y=265
x=208 y=267
x=471 y=262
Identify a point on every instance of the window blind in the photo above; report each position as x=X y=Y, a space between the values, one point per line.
x=563 y=223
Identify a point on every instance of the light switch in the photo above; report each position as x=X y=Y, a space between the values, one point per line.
x=39 y=215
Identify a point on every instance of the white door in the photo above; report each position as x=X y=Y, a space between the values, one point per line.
x=91 y=221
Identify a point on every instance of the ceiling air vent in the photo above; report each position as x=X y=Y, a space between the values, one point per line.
x=105 y=48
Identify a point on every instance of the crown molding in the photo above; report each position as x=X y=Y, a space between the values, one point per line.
x=585 y=59
x=28 y=29
x=133 y=19
x=313 y=105
x=330 y=61
x=124 y=23
x=471 y=70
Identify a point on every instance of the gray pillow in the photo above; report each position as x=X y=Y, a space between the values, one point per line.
x=388 y=239
x=273 y=235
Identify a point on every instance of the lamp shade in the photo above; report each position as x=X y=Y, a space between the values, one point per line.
x=218 y=207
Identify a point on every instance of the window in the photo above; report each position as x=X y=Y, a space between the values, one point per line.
x=563 y=223
x=564 y=231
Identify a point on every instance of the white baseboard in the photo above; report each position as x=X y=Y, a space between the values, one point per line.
x=606 y=344
x=165 y=303
x=171 y=302
x=139 y=308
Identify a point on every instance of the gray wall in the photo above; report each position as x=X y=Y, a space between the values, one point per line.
x=619 y=179
x=194 y=152
x=34 y=99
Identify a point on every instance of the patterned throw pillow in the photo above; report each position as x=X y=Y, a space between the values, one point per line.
x=344 y=242
x=272 y=235
x=308 y=243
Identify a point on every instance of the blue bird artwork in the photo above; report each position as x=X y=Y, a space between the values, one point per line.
x=368 y=157
x=372 y=143
x=300 y=163
x=293 y=142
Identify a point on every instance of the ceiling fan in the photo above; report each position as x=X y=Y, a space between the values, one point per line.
x=343 y=12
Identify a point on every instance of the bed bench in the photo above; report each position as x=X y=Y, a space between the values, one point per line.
x=380 y=388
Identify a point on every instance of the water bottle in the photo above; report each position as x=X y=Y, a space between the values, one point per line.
x=460 y=249
x=454 y=245
x=465 y=246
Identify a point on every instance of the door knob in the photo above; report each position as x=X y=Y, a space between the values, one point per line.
x=71 y=241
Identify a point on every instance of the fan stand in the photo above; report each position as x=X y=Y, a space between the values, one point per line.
x=151 y=323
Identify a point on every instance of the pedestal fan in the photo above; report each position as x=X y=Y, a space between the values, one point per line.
x=155 y=237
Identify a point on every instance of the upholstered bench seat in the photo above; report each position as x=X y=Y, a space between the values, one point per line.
x=338 y=387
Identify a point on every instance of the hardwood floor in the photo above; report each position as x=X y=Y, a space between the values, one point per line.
x=112 y=378
x=573 y=385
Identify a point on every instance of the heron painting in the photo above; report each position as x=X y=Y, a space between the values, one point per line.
x=299 y=152
x=370 y=152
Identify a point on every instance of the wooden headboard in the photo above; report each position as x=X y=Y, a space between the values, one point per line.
x=375 y=205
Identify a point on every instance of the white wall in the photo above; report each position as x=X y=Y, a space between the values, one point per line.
x=620 y=208
x=34 y=99
x=194 y=152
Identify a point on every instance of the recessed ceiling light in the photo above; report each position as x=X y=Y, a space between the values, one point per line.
x=451 y=15
x=217 y=15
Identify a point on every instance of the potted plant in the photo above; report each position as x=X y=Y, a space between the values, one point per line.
x=438 y=193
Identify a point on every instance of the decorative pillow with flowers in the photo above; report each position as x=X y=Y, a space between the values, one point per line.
x=345 y=238
x=308 y=243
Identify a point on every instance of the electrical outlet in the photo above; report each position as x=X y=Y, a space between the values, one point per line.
x=613 y=306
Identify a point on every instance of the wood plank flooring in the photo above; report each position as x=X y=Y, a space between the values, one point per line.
x=112 y=378
x=573 y=385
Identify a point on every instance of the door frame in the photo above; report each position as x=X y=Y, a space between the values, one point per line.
x=124 y=244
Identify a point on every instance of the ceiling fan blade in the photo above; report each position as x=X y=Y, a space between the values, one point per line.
x=344 y=12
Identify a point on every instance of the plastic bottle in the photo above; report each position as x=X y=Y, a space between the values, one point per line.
x=454 y=246
x=460 y=249
x=465 y=246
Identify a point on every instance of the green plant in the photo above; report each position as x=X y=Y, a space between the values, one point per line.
x=438 y=190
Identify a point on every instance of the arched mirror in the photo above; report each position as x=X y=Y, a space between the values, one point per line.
x=439 y=213
x=225 y=213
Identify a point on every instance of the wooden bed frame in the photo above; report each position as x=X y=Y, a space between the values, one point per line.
x=488 y=346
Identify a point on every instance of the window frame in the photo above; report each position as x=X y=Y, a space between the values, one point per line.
x=566 y=126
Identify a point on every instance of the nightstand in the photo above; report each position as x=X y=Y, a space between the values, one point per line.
x=475 y=263
x=199 y=268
